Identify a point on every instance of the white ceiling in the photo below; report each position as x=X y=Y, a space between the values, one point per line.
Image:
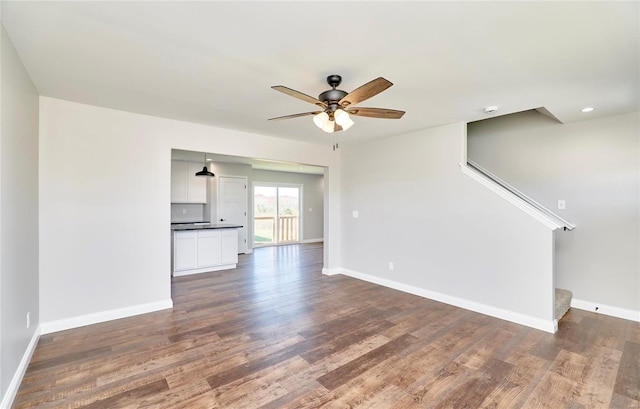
x=214 y=62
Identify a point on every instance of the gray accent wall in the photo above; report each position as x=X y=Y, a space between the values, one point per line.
x=594 y=166
x=448 y=236
x=312 y=200
x=18 y=213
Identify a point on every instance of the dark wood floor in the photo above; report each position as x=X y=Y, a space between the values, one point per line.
x=276 y=333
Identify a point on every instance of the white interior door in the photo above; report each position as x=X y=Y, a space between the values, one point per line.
x=232 y=205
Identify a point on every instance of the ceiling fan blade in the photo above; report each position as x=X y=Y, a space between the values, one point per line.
x=294 y=115
x=376 y=113
x=366 y=91
x=299 y=95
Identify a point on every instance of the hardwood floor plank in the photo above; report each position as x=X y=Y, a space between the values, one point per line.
x=435 y=387
x=473 y=392
x=292 y=398
x=240 y=371
x=516 y=387
x=276 y=333
x=340 y=342
x=259 y=388
x=628 y=380
x=364 y=362
x=75 y=356
x=126 y=399
x=569 y=364
x=623 y=402
x=598 y=379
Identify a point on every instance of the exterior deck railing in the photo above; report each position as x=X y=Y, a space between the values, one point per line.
x=288 y=227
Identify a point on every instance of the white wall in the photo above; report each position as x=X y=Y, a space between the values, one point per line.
x=313 y=198
x=594 y=166
x=448 y=236
x=105 y=204
x=18 y=216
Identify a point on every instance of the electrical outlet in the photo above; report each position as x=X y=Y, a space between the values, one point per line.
x=184 y=211
x=390 y=266
x=28 y=320
x=355 y=214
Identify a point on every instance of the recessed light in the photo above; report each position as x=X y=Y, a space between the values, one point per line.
x=587 y=109
x=491 y=109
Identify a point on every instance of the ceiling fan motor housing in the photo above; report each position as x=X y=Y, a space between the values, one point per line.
x=333 y=96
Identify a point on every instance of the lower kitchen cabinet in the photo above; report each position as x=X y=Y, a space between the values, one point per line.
x=209 y=248
x=199 y=251
x=229 y=245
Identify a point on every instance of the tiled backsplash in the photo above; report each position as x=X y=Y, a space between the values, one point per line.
x=181 y=213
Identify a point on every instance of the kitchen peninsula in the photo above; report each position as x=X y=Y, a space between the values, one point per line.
x=204 y=247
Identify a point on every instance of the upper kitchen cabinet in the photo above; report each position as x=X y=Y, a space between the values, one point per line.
x=186 y=187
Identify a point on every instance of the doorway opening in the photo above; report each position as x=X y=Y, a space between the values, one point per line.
x=276 y=214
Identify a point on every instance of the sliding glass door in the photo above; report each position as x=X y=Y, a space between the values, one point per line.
x=264 y=214
x=276 y=214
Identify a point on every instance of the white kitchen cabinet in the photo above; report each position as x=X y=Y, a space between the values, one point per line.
x=186 y=187
x=185 y=255
x=200 y=251
x=229 y=245
x=209 y=248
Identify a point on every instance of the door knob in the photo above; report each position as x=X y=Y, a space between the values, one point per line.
x=221 y=220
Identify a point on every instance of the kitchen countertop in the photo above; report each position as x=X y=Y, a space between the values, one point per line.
x=203 y=226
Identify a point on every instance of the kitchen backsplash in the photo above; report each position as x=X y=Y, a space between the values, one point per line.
x=182 y=213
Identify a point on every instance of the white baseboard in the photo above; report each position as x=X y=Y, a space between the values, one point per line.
x=320 y=240
x=617 y=312
x=550 y=326
x=288 y=243
x=103 y=316
x=331 y=271
x=12 y=390
x=204 y=270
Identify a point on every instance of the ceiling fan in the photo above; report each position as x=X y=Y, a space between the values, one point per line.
x=337 y=105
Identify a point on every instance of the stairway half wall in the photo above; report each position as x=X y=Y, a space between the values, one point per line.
x=443 y=232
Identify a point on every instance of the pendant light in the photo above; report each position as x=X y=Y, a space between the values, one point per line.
x=205 y=171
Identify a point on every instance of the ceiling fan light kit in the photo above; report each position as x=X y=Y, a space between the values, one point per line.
x=343 y=119
x=337 y=105
x=321 y=119
x=329 y=126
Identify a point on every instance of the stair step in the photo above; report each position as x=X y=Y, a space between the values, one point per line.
x=563 y=302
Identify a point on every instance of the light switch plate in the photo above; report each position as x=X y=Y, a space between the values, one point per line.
x=355 y=214
x=562 y=204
